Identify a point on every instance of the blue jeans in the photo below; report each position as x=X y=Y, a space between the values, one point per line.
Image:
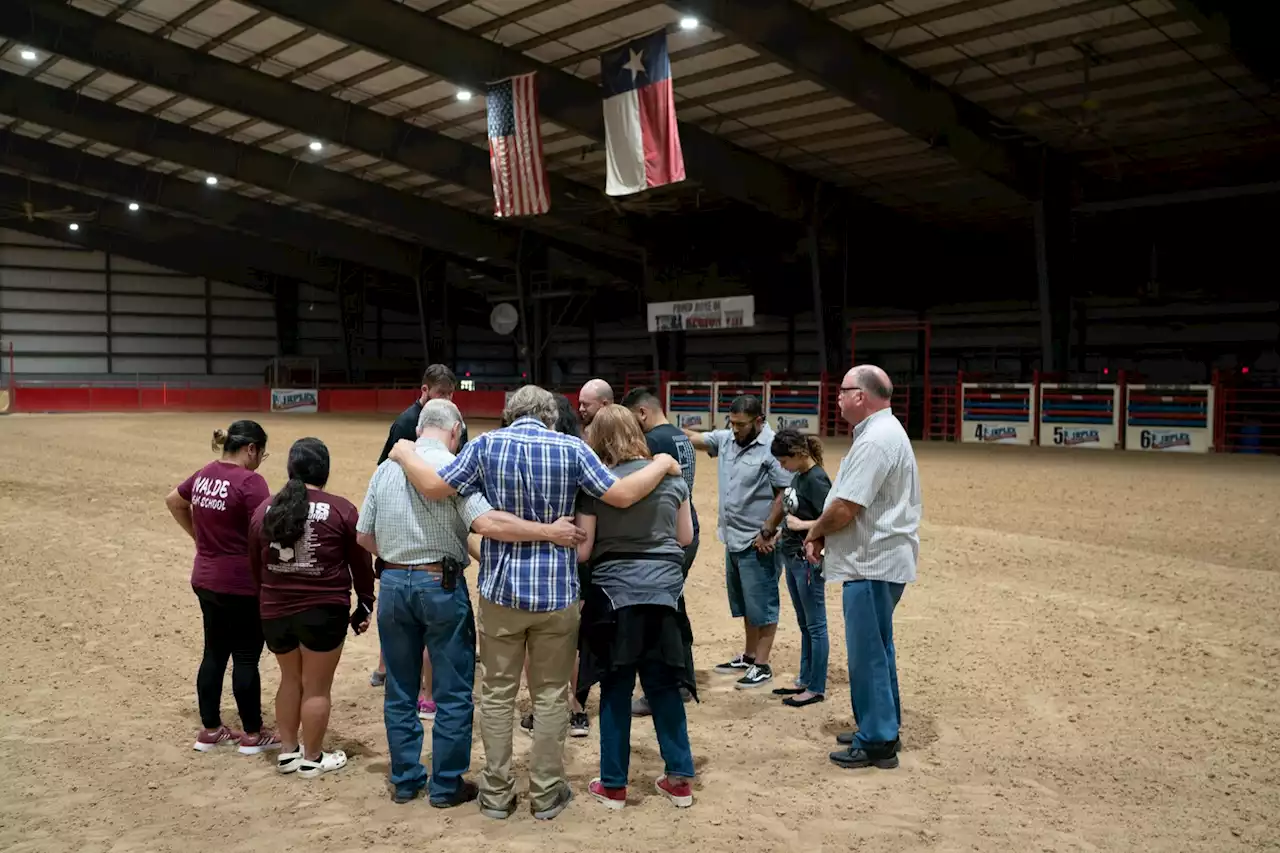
x=809 y=596
x=873 y=667
x=751 y=579
x=663 y=692
x=413 y=612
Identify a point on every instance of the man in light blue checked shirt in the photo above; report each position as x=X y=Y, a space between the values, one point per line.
x=528 y=590
x=414 y=537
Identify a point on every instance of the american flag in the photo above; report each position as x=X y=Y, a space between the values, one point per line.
x=515 y=148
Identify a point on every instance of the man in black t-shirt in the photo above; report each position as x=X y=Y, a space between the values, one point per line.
x=663 y=437
x=438 y=383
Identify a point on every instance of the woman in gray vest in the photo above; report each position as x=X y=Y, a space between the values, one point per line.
x=631 y=624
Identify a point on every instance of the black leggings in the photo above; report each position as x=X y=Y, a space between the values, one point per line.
x=232 y=629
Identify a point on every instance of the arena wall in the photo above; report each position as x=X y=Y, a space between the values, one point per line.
x=75 y=314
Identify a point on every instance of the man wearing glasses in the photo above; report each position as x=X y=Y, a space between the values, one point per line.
x=868 y=540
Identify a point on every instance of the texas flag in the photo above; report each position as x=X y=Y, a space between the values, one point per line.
x=641 y=137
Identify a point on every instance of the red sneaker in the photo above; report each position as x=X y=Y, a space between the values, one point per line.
x=614 y=798
x=261 y=742
x=681 y=795
x=210 y=739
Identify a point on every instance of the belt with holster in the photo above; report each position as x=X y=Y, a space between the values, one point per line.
x=433 y=568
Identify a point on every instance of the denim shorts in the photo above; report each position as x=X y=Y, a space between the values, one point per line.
x=751 y=579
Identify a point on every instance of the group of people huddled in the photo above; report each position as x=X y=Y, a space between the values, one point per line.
x=584 y=529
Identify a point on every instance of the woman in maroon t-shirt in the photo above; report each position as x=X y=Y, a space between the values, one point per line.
x=214 y=505
x=302 y=546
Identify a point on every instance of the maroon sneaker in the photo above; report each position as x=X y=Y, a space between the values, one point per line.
x=681 y=795
x=210 y=739
x=614 y=798
x=261 y=742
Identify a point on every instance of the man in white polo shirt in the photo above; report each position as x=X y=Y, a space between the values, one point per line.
x=868 y=539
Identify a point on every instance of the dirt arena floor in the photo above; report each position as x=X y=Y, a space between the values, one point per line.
x=1090 y=661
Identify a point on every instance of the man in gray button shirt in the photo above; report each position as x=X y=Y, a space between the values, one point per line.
x=869 y=539
x=415 y=536
x=751 y=483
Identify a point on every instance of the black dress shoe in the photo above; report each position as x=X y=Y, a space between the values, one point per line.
x=882 y=756
x=466 y=794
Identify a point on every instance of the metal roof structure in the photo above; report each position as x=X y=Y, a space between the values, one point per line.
x=350 y=115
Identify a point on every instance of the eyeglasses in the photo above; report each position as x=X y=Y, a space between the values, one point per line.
x=853 y=388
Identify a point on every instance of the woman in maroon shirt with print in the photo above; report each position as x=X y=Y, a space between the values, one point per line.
x=303 y=550
x=214 y=505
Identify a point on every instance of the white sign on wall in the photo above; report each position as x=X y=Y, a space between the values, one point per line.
x=295 y=400
x=695 y=315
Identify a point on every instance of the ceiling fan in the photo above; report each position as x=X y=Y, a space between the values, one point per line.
x=28 y=211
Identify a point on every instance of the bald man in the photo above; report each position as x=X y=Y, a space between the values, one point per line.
x=868 y=540
x=593 y=397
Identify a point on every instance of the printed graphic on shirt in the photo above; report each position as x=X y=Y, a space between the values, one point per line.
x=300 y=558
x=210 y=493
x=790 y=500
x=685 y=455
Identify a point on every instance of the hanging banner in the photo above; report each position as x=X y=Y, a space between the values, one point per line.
x=729 y=312
x=305 y=400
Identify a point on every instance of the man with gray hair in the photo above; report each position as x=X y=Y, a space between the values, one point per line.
x=422 y=605
x=594 y=396
x=528 y=590
x=868 y=539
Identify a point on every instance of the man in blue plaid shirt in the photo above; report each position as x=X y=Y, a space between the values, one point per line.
x=528 y=590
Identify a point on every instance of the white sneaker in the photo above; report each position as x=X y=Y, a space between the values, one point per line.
x=329 y=762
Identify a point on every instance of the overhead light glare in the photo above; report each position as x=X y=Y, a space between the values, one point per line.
x=211 y=180
x=133 y=206
x=464 y=94
x=28 y=55
x=316 y=145
x=688 y=22
x=74 y=226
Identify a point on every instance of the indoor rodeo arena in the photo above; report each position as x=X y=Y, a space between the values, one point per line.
x=621 y=424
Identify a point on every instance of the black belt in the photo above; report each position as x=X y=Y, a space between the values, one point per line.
x=433 y=568
x=618 y=556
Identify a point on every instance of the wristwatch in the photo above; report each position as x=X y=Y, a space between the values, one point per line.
x=767 y=533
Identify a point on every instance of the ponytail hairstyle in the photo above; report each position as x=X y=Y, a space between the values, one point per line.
x=286 y=519
x=239 y=435
x=791 y=442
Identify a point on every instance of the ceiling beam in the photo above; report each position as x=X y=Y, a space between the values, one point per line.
x=844 y=64
x=462 y=236
x=1247 y=28
x=91 y=39
x=49 y=163
x=438 y=225
x=469 y=59
x=154 y=227
x=195 y=261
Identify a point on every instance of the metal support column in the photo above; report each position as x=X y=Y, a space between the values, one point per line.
x=286 y=307
x=419 y=282
x=819 y=309
x=591 y=338
x=353 y=282
x=208 y=326
x=524 y=274
x=1053 y=237
x=110 y=330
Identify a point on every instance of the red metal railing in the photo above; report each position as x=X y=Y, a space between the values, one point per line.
x=1247 y=414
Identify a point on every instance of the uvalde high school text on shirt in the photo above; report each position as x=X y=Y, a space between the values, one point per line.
x=209 y=493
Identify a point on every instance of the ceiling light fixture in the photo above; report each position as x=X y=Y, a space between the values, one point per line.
x=688 y=22
x=211 y=180
x=464 y=94
x=316 y=145
x=28 y=55
x=74 y=226
x=133 y=206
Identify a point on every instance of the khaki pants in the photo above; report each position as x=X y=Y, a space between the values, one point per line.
x=550 y=640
